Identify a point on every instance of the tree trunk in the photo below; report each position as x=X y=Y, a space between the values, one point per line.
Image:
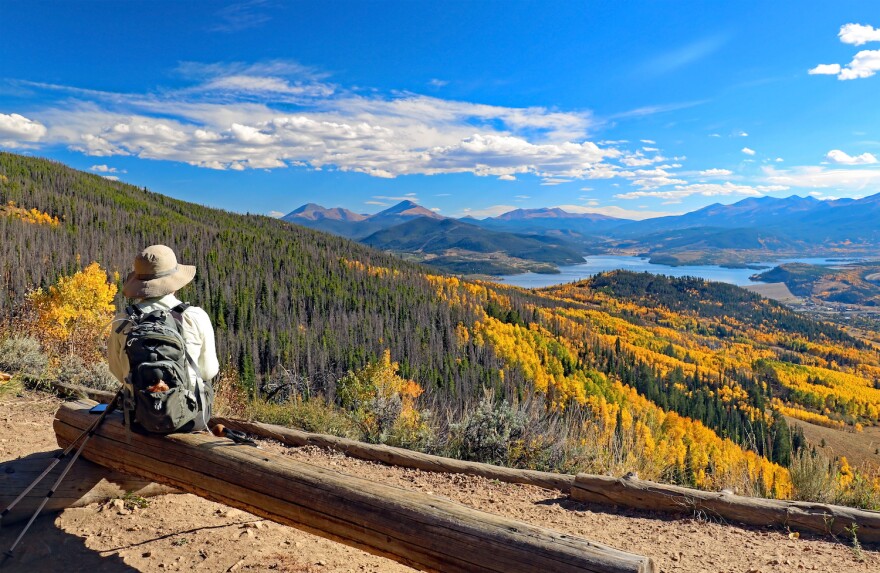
x=420 y=530
x=796 y=515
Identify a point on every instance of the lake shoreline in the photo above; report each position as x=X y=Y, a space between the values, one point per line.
x=739 y=275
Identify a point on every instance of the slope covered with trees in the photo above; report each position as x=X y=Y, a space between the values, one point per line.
x=678 y=380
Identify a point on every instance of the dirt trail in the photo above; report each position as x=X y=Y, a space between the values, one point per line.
x=185 y=532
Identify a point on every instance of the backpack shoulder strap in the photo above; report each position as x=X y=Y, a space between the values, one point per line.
x=134 y=312
x=177 y=313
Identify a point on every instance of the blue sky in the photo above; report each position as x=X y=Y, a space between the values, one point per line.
x=630 y=109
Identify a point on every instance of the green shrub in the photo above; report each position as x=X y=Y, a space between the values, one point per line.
x=314 y=415
x=74 y=371
x=414 y=432
x=810 y=477
x=22 y=355
x=100 y=378
x=859 y=493
x=487 y=433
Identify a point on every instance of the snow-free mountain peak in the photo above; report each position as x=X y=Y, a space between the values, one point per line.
x=315 y=212
x=407 y=208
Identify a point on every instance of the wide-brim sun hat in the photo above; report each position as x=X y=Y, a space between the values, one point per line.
x=156 y=273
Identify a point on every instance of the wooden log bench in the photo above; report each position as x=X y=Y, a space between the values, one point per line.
x=795 y=515
x=417 y=529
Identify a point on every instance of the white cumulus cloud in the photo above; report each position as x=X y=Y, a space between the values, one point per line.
x=864 y=64
x=858 y=34
x=277 y=114
x=842 y=158
x=18 y=131
x=825 y=70
x=551 y=181
x=106 y=169
x=818 y=177
x=220 y=123
x=748 y=151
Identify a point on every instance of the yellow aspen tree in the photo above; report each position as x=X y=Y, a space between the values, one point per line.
x=75 y=314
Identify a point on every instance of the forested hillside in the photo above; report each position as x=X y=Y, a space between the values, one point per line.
x=677 y=379
x=697 y=345
x=278 y=294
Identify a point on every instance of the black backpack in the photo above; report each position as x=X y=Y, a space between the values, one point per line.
x=156 y=350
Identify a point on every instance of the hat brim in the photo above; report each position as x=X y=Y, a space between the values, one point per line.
x=137 y=288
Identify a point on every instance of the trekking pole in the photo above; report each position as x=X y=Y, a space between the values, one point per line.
x=60 y=456
x=88 y=434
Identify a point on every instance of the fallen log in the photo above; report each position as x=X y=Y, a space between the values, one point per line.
x=86 y=483
x=795 y=515
x=414 y=528
x=77 y=390
x=400 y=456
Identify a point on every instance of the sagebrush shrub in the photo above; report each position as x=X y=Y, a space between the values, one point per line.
x=72 y=370
x=22 y=355
x=100 y=378
x=811 y=477
x=488 y=433
x=97 y=375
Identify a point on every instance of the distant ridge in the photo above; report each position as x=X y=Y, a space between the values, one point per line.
x=798 y=218
x=341 y=221
x=457 y=241
x=551 y=213
x=315 y=212
x=554 y=222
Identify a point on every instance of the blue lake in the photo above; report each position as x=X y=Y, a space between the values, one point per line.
x=602 y=263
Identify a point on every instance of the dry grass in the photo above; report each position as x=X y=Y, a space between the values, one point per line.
x=858 y=447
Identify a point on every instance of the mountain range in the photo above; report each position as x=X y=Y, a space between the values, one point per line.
x=465 y=246
x=748 y=230
x=349 y=224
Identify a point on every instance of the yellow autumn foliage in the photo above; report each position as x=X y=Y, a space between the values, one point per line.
x=32 y=216
x=366 y=391
x=73 y=316
x=656 y=442
x=831 y=389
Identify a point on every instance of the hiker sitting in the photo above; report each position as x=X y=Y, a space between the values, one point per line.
x=163 y=350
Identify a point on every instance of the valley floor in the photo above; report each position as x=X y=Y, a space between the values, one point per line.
x=185 y=532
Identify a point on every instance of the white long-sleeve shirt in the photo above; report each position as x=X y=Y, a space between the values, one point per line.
x=198 y=334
